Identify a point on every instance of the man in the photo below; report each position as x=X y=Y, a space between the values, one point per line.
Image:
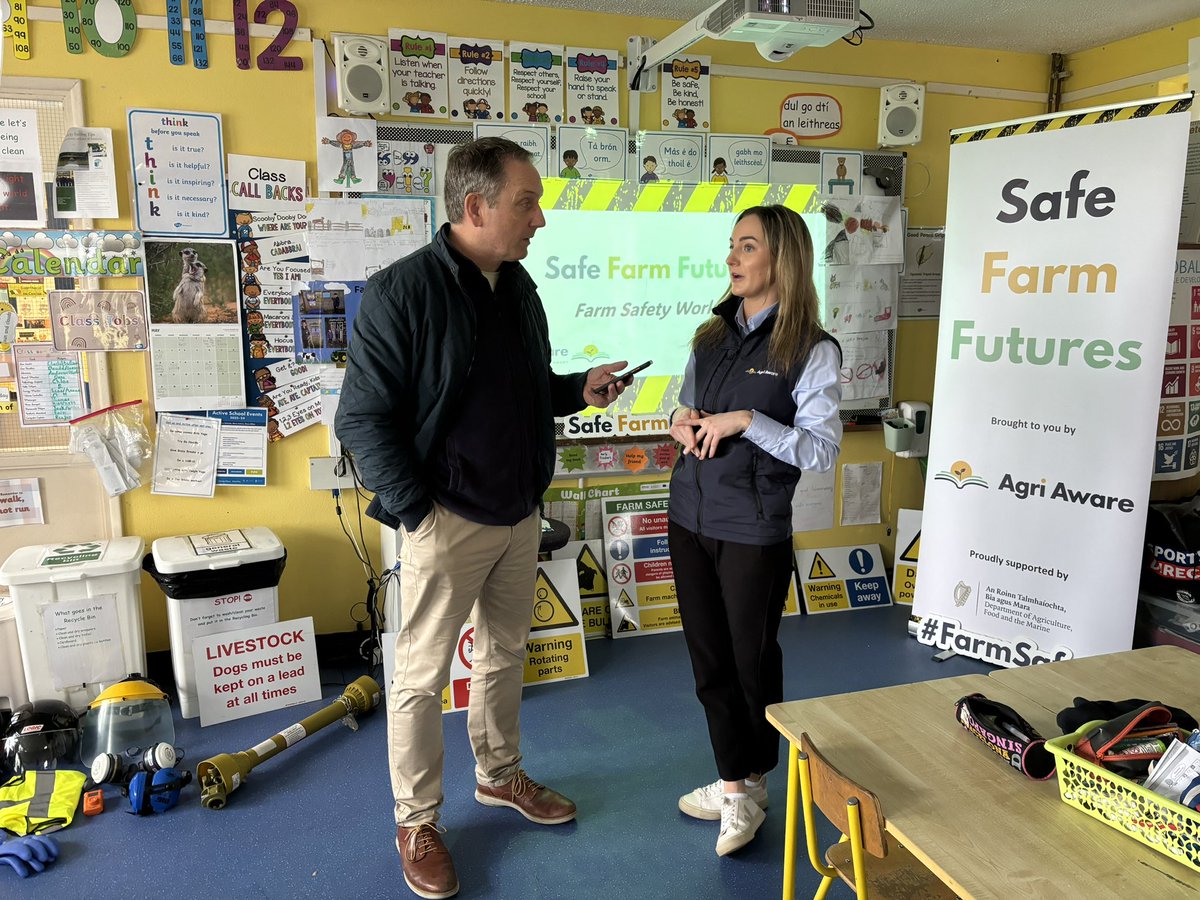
x=448 y=407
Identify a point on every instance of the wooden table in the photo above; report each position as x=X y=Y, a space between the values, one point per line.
x=978 y=824
x=1168 y=674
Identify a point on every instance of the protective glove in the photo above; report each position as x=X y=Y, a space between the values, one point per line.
x=30 y=854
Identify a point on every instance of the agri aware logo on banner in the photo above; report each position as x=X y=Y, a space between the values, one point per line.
x=1060 y=240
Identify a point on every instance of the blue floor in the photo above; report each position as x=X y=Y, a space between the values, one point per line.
x=624 y=743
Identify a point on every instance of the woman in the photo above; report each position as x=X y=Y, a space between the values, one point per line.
x=760 y=403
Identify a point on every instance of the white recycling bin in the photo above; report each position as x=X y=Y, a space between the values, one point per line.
x=214 y=583
x=78 y=609
x=13 y=692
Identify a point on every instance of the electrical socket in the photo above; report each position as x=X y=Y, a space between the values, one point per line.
x=323 y=474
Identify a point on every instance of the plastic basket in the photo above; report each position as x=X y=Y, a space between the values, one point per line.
x=1161 y=824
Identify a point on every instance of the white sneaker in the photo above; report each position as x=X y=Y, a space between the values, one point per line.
x=740 y=819
x=705 y=802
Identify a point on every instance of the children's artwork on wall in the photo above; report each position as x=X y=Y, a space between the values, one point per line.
x=865 y=230
x=535 y=82
x=263 y=183
x=592 y=152
x=407 y=168
x=841 y=172
x=350 y=240
x=195 y=342
x=592 y=87
x=672 y=156
x=178 y=173
x=476 y=78
x=684 y=89
x=419 y=73
x=739 y=159
x=861 y=298
x=534 y=138
x=346 y=156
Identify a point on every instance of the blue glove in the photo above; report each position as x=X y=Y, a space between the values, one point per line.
x=30 y=854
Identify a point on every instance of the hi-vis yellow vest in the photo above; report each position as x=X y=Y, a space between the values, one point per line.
x=40 y=802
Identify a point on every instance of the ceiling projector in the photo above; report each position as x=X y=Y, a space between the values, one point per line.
x=778 y=28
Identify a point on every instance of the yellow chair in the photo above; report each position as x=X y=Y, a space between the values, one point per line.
x=890 y=871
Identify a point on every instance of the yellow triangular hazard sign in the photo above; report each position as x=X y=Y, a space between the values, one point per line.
x=549 y=608
x=624 y=600
x=913 y=550
x=592 y=582
x=820 y=568
x=627 y=625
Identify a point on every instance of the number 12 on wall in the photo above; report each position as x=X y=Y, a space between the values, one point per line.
x=80 y=24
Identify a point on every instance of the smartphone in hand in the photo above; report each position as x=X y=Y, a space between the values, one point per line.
x=628 y=375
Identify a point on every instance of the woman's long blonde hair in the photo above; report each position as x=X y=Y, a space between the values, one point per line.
x=797 y=320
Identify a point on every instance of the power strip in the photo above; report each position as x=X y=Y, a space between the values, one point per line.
x=323 y=474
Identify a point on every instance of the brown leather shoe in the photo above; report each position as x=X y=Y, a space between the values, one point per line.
x=534 y=801
x=428 y=868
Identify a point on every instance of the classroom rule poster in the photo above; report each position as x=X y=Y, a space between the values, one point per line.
x=178 y=173
x=1059 y=259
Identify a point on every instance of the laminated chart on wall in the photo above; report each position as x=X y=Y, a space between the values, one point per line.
x=908 y=549
x=535 y=82
x=178 y=172
x=22 y=192
x=581 y=508
x=419 y=78
x=272 y=248
x=641 y=581
x=588 y=557
x=406 y=168
x=629 y=271
x=592 y=87
x=534 y=138
x=843 y=578
x=1177 y=447
x=476 y=67
x=921 y=280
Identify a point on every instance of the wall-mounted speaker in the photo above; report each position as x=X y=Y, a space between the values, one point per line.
x=901 y=109
x=362 y=73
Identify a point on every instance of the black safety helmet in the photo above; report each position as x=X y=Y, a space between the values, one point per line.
x=41 y=735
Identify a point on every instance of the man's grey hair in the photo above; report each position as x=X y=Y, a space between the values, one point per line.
x=477 y=167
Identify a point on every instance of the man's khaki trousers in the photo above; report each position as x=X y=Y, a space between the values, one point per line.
x=450 y=568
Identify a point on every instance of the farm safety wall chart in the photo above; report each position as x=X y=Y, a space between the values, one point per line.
x=641 y=581
x=841 y=578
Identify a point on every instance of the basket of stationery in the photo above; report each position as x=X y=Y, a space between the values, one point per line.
x=1157 y=821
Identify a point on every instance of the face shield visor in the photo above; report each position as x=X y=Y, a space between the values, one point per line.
x=125 y=720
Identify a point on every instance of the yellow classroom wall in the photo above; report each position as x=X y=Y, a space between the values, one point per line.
x=271 y=114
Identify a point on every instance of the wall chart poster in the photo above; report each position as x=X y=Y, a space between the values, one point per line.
x=178 y=172
x=476 y=78
x=535 y=82
x=592 y=88
x=22 y=192
x=264 y=183
x=419 y=73
x=739 y=158
x=641 y=581
x=325 y=312
x=1177 y=444
x=591 y=152
x=534 y=138
x=684 y=87
x=350 y=240
x=671 y=156
x=1060 y=249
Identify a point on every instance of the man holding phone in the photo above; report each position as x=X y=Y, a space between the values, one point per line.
x=448 y=407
